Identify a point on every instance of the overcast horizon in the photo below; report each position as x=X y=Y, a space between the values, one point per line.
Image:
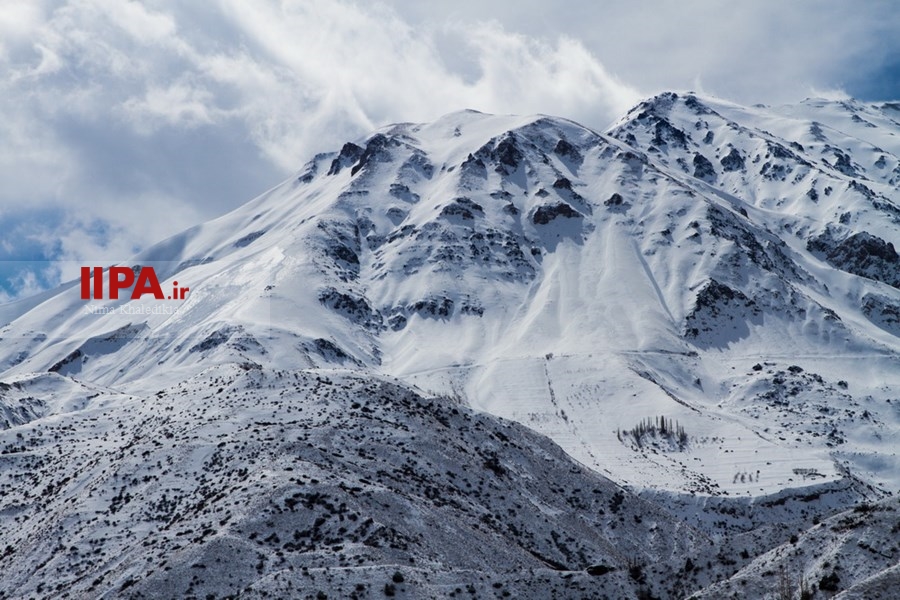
x=126 y=122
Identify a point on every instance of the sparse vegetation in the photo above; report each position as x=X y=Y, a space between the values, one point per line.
x=829 y=583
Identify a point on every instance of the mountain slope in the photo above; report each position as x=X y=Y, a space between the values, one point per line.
x=598 y=283
x=851 y=555
x=247 y=480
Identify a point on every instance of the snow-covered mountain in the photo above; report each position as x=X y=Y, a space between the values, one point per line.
x=700 y=305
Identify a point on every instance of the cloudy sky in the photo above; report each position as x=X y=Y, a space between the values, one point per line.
x=124 y=122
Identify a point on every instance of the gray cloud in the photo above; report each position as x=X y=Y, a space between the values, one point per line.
x=125 y=122
x=761 y=51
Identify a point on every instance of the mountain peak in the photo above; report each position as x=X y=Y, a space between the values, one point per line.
x=701 y=303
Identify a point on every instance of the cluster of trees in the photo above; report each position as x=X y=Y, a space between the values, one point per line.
x=660 y=427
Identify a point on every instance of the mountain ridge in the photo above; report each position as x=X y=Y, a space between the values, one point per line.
x=730 y=269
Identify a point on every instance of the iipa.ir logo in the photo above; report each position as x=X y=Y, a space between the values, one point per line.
x=122 y=278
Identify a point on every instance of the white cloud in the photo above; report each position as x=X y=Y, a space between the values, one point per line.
x=18 y=19
x=28 y=281
x=318 y=72
x=835 y=94
x=143 y=25
x=181 y=104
